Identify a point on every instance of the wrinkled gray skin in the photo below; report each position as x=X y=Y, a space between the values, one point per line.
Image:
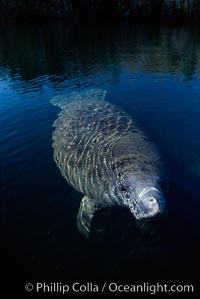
x=102 y=154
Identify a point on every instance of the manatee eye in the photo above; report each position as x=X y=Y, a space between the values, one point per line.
x=123 y=189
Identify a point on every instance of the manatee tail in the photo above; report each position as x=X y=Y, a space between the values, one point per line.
x=87 y=94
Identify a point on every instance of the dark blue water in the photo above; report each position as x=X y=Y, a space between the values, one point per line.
x=151 y=72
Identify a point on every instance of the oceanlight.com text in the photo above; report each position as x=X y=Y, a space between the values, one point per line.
x=112 y=287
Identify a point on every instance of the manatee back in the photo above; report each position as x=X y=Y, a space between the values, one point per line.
x=93 y=140
x=84 y=131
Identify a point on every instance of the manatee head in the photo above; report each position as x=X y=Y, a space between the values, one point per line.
x=143 y=196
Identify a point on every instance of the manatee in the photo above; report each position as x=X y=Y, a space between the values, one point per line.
x=103 y=154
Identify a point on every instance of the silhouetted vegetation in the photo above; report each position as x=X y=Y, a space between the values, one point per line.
x=99 y=9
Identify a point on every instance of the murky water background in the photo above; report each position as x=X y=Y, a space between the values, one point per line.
x=151 y=72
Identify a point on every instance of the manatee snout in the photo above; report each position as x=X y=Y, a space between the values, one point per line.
x=154 y=201
x=150 y=205
x=145 y=199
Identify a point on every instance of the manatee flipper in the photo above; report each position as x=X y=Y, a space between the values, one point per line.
x=85 y=215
